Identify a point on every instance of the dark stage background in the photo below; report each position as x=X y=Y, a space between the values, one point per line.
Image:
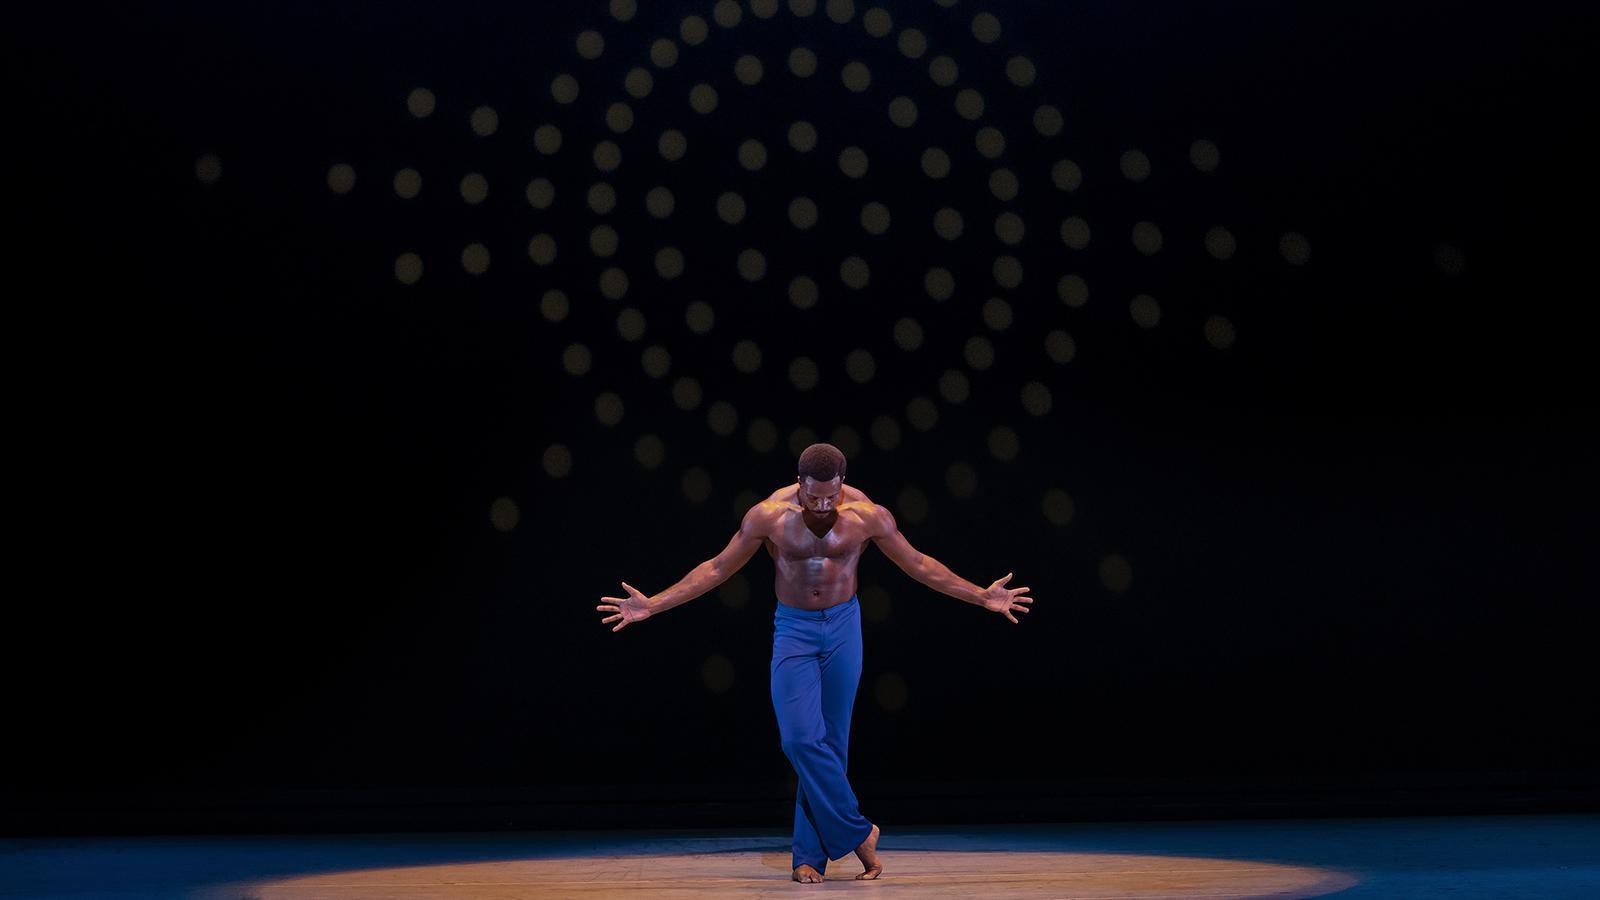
x=359 y=349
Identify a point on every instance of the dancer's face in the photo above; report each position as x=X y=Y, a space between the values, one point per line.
x=820 y=497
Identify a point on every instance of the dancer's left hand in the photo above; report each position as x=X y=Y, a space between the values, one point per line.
x=1005 y=601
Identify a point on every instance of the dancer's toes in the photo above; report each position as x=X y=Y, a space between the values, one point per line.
x=868 y=854
x=806 y=874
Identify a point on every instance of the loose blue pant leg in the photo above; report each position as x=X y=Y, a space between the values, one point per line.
x=816 y=670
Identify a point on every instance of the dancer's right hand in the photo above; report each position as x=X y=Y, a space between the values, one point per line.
x=626 y=610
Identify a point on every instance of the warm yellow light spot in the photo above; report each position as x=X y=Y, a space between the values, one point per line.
x=669 y=262
x=748 y=70
x=1115 y=573
x=922 y=414
x=997 y=314
x=607 y=156
x=659 y=202
x=603 y=241
x=341 y=178
x=802 y=62
x=554 y=305
x=630 y=324
x=1003 y=185
x=891 y=692
x=847 y=439
x=663 y=53
x=1036 y=399
x=1060 y=347
x=577 y=360
x=727 y=13
x=1020 y=70
x=420 y=102
x=1058 y=507
x=746 y=356
x=764 y=9
x=803 y=8
x=1135 y=165
x=638 y=83
x=687 y=394
x=703 y=99
x=557 y=461
x=1075 y=232
x=913 y=43
x=990 y=142
x=1146 y=312
x=1066 y=175
x=803 y=292
x=961 y=480
x=860 y=366
x=877 y=22
x=1220 y=243
x=407 y=184
x=649 y=451
x=911 y=505
x=408 y=268
x=608 y=408
x=1004 y=444
x=564 y=89
x=547 y=139
x=699 y=316
x=1008 y=272
x=954 y=386
x=803 y=373
x=903 y=112
x=672 y=145
x=1147 y=238
x=656 y=361
x=619 y=117
x=856 y=76
x=841 y=11
x=590 y=44
x=1204 y=155
x=613 y=283
x=1073 y=290
x=752 y=264
x=969 y=104
x=717 y=670
x=722 y=418
x=1009 y=228
x=853 y=162
x=208 y=168
x=602 y=197
x=854 y=272
x=542 y=249
x=800 y=439
x=986 y=28
x=730 y=208
x=875 y=218
x=947 y=224
x=475 y=259
x=978 y=352
x=762 y=435
x=803 y=136
x=752 y=155
x=541 y=193
x=1047 y=120
x=885 y=433
x=1295 y=248
x=693 y=30
x=474 y=188
x=623 y=10
x=1219 y=332
x=939 y=283
x=944 y=71
x=908 y=334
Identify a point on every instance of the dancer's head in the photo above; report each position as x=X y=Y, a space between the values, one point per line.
x=821 y=478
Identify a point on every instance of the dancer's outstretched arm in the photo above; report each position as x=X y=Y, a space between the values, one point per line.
x=924 y=568
x=636 y=607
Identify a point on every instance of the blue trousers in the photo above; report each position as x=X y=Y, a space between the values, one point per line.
x=816 y=668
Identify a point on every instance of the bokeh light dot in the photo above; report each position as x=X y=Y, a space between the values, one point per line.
x=420 y=102
x=407 y=184
x=1146 y=312
x=341 y=178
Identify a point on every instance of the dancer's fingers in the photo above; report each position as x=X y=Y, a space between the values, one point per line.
x=607 y=607
x=1011 y=617
x=1020 y=609
x=1020 y=590
x=615 y=599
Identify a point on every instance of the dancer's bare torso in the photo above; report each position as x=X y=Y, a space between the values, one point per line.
x=816 y=556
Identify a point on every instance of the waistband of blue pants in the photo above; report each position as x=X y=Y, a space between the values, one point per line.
x=818 y=615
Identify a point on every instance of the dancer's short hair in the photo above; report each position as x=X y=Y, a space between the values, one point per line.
x=822 y=462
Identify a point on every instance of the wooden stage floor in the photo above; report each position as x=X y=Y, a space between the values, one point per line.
x=1461 y=857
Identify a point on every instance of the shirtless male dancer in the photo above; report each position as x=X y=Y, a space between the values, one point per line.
x=815 y=530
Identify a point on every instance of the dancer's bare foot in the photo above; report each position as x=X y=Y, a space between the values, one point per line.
x=868 y=853
x=805 y=874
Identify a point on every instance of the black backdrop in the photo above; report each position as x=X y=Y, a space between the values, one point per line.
x=293 y=538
